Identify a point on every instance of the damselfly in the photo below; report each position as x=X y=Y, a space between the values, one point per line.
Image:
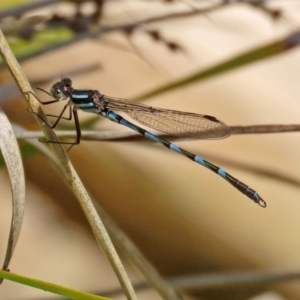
x=173 y=122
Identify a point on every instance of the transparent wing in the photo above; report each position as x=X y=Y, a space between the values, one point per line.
x=173 y=122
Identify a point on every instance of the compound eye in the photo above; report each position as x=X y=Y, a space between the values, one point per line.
x=56 y=93
x=67 y=82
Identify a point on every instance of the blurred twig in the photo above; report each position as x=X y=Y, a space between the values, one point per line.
x=93 y=135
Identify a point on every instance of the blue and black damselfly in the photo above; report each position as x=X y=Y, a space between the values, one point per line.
x=174 y=122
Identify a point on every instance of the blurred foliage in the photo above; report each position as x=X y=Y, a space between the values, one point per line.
x=7 y=4
x=40 y=40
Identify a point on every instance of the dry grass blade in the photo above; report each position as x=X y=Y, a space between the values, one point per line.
x=10 y=151
x=68 y=171
x=92 y=135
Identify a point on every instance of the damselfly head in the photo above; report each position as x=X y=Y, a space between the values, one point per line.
x=61 y=89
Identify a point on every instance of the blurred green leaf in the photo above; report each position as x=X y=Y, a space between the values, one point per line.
x=6 y=4
x=50 y=287
x=40 y=40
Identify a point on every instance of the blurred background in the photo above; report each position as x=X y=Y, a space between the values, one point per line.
x=185 y=219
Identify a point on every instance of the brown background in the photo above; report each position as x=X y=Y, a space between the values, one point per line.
x=184 y=218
